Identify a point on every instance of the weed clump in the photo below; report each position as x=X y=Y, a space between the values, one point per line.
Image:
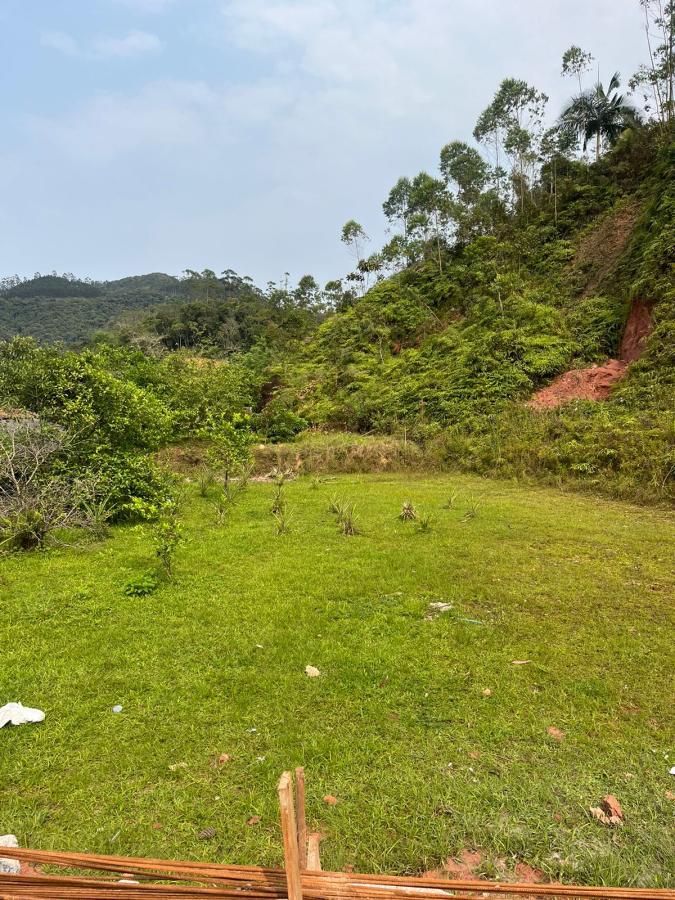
x=424 y=522
x=283 y=521
x=408 y=512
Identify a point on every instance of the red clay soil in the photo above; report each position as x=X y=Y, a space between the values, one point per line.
x=596 y=382
x=638 y=328
x=470 y=863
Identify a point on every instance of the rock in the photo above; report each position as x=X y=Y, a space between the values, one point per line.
x=9 y=866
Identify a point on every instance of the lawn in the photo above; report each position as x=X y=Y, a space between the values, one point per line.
x=429 y=736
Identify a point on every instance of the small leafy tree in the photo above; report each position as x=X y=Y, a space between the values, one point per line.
x=575 y=62
x=354 y=236
x=231 y=445
x=657 y=78
x=167 y=535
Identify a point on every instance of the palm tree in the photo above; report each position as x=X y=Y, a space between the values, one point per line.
x=600 y=114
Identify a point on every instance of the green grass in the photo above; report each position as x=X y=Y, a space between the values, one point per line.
x=580 y=587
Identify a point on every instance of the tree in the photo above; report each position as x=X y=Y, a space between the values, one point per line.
x=512 y=124
x=657 y=78
x=556 y=144
x=429 y=203
x=575 y=62
x=599 y=114
x=466 y=168
x=354 y=237
x=396 y=207
x=230 y=444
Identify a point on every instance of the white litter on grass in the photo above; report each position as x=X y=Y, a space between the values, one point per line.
x=117 y=708
x=312 y=671
x=436 y=609
x=9 y=866
x=672 y=771
x=18 y=714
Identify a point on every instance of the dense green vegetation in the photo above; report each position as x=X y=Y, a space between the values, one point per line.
x=397 y=727
x=63 y=308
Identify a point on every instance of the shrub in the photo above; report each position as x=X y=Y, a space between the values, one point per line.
x=278 y=423
x=347 y=520
x=424 y=521
x=141 y=586
x=36 y=498
x=167 y=536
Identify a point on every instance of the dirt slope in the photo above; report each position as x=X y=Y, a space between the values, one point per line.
x=599 y=252
x=596 y=382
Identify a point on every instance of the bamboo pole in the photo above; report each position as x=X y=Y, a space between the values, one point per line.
x=301 y=819
x=290 y=835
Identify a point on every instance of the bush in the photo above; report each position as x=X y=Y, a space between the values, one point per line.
x=36 y=499
x=142 y=586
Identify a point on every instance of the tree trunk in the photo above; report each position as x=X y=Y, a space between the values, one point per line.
x=597 y=146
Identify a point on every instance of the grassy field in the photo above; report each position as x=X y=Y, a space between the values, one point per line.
x=398 y=727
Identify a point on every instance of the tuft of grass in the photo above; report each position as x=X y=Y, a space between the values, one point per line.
x=408 y=512
x=471 y=511
x=282 y=519
x=279 y=501
x=424 y=521
x=336 y=505
x=451 y=501
x=347 y=520
x=245 y=474
x=206 y=481
x=222 y=502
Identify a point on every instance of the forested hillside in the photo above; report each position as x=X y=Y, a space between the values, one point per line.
x=519 y=321
x=451 y=349
x=64 y=308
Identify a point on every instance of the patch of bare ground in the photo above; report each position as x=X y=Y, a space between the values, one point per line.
x=601 y=249
x=596 y=382
x=471 y=864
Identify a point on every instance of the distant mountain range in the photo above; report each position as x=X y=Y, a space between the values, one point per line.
x=63 y=308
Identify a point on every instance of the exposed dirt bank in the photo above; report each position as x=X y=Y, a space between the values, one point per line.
x=596 y=382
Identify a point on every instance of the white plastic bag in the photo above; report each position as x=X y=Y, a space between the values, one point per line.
x=18 y=714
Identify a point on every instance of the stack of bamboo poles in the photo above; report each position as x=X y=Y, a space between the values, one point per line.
x=301 y=878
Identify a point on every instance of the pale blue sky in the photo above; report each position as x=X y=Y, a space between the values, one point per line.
x=155 y=135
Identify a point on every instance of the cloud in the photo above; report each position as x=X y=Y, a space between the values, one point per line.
x=321 y=106
x=133 y=44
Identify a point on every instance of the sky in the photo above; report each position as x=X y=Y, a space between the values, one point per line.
x=159 y=135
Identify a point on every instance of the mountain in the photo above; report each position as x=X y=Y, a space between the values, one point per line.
x=63 y=308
